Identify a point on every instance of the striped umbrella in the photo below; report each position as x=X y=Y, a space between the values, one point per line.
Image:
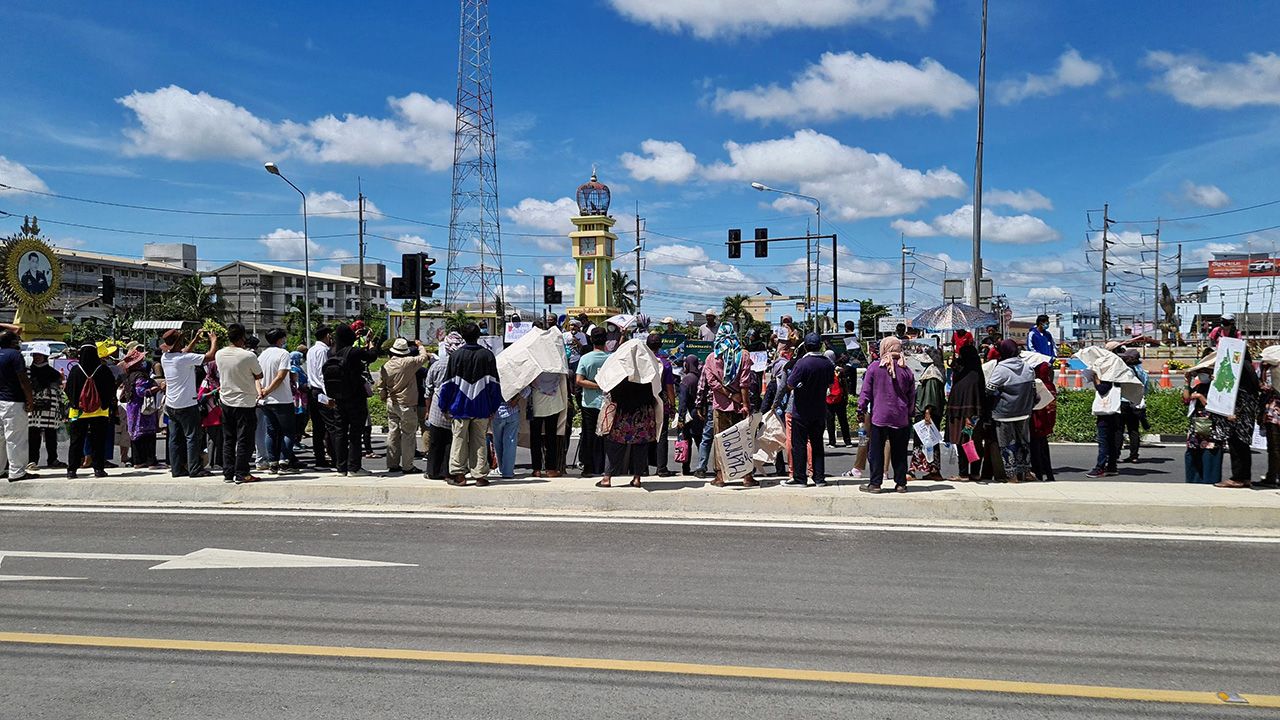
x=953 y=316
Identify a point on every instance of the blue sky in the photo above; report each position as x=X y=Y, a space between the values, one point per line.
x=1161 y=109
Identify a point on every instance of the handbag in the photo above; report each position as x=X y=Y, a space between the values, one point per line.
x=1202 y=426
x=1108 y=404
x=682 y=450
x=149 y=405
x=970 y=451
x=608 y=414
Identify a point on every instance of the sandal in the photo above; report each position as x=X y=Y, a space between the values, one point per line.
x=636 y=483
x=603 y=484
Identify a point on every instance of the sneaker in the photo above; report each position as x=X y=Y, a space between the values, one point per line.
x=854 y=473
x=274 y=469
x=359 y=473
x=31 y=467
x=1112 y=472
x=796 y=483
x=1096 y=473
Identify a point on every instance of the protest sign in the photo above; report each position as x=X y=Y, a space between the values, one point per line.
x=698 y=348
x=1226 y=377
x=734 y=447
x=517 y=330
x=759 y=361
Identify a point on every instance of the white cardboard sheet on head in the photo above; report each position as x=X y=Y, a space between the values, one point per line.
x=1226 y=377
x=536 y=352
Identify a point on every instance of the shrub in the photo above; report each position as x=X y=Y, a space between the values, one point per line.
x=1165 y=413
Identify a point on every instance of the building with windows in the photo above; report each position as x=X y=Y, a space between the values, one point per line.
x=259 y=295
x=138 y=280
x=1243 y=284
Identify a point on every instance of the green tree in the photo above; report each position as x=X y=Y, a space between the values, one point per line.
x=870 y=313
x=190 y=299
x=455 y=320
x=735 y=309
x=295 y=317
x=624 y=292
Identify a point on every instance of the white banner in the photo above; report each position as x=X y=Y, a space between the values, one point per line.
x=517 y=330
x=1226 y=377
x=888 y=323
x=734 y=449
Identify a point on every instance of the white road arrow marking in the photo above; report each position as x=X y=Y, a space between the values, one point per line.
x=11 y=578
x=212 y=558
x=208 y=558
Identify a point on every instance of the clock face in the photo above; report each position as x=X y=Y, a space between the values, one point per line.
x=587 y=246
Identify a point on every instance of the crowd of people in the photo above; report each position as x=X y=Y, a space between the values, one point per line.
x=242 y=407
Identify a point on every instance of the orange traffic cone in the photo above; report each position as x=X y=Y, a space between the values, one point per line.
x=1062 y=373
x=1165 y=382
x=1079 y=379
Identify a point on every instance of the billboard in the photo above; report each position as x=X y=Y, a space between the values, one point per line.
x=1266 y=267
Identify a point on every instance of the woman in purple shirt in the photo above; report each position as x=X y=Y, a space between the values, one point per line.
x=889 y=388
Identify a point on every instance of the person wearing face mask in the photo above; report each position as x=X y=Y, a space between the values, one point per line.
x=1206 y=432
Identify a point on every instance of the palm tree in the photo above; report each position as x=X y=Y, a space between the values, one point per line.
x=870 y=313
x=735 y=308
x=624 y=289
x=191 y=299
x=455 y=320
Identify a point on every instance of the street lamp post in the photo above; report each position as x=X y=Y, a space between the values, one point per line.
x=533 y=299
x=306 y=252
x=808 y=251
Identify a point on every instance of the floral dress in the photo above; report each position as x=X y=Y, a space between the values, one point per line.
x=1219 y=428
x=635 y=428
x=139 y=423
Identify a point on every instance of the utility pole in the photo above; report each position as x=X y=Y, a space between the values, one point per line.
x=902 y=292
x=1155 y=306
x=1104 y=321
x=975 y=293
x=361 y=235
x=638 y=219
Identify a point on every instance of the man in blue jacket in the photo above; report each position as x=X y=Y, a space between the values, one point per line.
x=1040 y=339
x=470 y=395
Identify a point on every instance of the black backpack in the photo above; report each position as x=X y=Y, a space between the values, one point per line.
x=331 y=371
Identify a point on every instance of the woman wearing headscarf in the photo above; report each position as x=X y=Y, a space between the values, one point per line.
x=141 y=418
x=50 y=408
x=301 y=393
x=634 y=427
x=439 y=424
x=1042 y=424
x=968 y=409
x=930 y=404
x=90 y=410
x=889 y=392
x=1012 y=387
x=691 y=422
x=838 y=403
x=727 y=375
x=1240 y=437
x=1206 y=432
x=548 y=395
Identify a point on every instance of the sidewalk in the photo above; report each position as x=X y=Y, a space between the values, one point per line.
x=1078 y=504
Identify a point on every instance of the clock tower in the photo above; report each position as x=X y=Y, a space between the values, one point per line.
x=593 y=251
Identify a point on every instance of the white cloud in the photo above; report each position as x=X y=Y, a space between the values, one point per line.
x=334 y=204
x=1021 y=200
x=175 y=123
x=852 y=183
x=666 y=162
x=719 y=18
x=550 y=215
x=1047 y=293
x=407 y=243
x=1012 y=229
x=17 y=175
x=1205 y=196
x=1201 y=83
x=1072 y=71
x=286 y=245
x=719 y=277
x=677 y=255
x=568 y=268
x=849 y=84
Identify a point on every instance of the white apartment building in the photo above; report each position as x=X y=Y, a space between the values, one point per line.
x=259 y=295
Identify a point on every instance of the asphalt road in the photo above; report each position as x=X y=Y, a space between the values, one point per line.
x=1154 y=614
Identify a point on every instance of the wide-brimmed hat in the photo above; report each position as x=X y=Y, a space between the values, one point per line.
x=40 y=348
x=132 y=359
x=400 y=347
x=710 y=311
x=668 y=319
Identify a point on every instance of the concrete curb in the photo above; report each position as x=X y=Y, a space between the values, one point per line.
x=1218 y=511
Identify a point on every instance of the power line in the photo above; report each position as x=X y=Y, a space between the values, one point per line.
x=1197 y=217
x=148 y=233
x=178 y=211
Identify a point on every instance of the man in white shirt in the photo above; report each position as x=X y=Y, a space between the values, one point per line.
x=186 y=435
x=322 y=417
x=708 y=331
x=241 y=388
x=276 y=410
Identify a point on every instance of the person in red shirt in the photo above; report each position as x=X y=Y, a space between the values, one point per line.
x=1226 y=329
x=961 y=338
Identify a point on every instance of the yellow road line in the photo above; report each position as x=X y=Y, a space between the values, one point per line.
x=1098 y=692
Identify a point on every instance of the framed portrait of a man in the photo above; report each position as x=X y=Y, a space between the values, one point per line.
x=35 y=272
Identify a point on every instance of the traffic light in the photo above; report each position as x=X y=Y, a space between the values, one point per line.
x=429 y=285
x=735 y=243
x=409 y=274
x=107 y=290
x=762 y=242
x=548 y=289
